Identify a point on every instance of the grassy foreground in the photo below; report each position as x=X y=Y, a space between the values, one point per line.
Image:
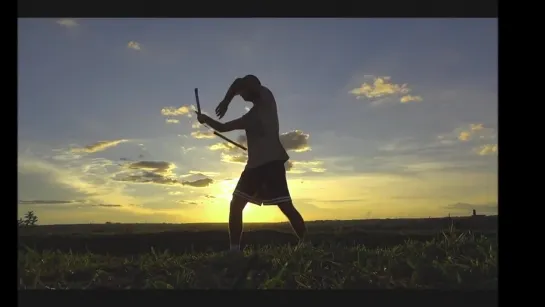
x=452 y=260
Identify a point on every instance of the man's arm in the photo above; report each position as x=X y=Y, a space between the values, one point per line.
x=237 y=124
x=232 y=91
x=222 y=107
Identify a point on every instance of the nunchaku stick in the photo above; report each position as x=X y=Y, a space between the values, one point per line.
x=215 y=132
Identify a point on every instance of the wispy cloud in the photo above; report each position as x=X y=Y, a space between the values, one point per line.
x=467 y=133
x=300 y=167
x=47 y=202
x=206 y=134
x=409 y=98
x=229 y=158
x=199 y=183
x=296 y=141
x=67 y=22
x=106 y=205
x=158 y=172
x=172 y=121
x=487 y=149
x=473 y=134
x=378 y=88
x=98 y=146
x=202 y=173
x=146 y=177
x=160 y=167
x=174 y=111
x=187 y=149
x=413 y=157
x=134 y=45
x=75 y=203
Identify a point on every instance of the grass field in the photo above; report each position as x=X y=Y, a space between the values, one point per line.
x=424 y=253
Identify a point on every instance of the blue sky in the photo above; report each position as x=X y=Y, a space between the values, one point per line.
x=381 y=117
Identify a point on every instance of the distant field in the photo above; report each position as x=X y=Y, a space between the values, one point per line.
x=410 y=253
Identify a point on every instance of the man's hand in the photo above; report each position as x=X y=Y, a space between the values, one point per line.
x=221 y=109
x=203 y=118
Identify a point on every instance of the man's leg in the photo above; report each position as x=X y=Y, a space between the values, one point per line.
x=278 y=193
x=235 y=221
x=295 y=219
x=246 y=187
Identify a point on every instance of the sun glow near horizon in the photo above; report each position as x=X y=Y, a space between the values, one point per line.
x=218 y=209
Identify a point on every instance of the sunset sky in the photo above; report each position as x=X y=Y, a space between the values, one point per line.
x=382 y=118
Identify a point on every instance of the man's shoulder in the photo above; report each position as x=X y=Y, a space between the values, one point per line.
x=266 y=94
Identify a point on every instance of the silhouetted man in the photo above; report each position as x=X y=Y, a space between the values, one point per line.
x=263 y=180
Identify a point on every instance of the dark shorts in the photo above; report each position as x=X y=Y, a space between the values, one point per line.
x=264 y=185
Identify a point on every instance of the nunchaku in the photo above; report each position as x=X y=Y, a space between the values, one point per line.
x=215 y=132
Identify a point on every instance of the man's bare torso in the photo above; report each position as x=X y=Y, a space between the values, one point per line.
x=262 y=131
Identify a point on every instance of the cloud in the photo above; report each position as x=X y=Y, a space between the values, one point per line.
x=134 y=45
x=234 y=158
x=476 y=127
x=160 y=167
x=47 y=202
x=65 y=156
x=203 y=173
x=300 y=167
x=231 y=153
x=203 y=134
x=200 y=183
x=470 y=131
x=487 y=149
x=349 y=200
x=187 y=149
x=87 y=181
x=381 y=87
x=77 y=203
x=158 y=172
x=172 y=121
x=223 y=146
x=470 y=134
x=146 y=177
x=186 y=204
x=489 y=208
x=107 y=205
x=92 y=181
x=173 y=111
x=295 y=140
x=292 y=166
x=475 y=133
x=464 y=136
x=413 y=157
x=227 y=147
x=408 y=98
x=98 y=146
x=67 y=22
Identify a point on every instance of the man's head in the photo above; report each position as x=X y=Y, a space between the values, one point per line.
x=249 y=88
